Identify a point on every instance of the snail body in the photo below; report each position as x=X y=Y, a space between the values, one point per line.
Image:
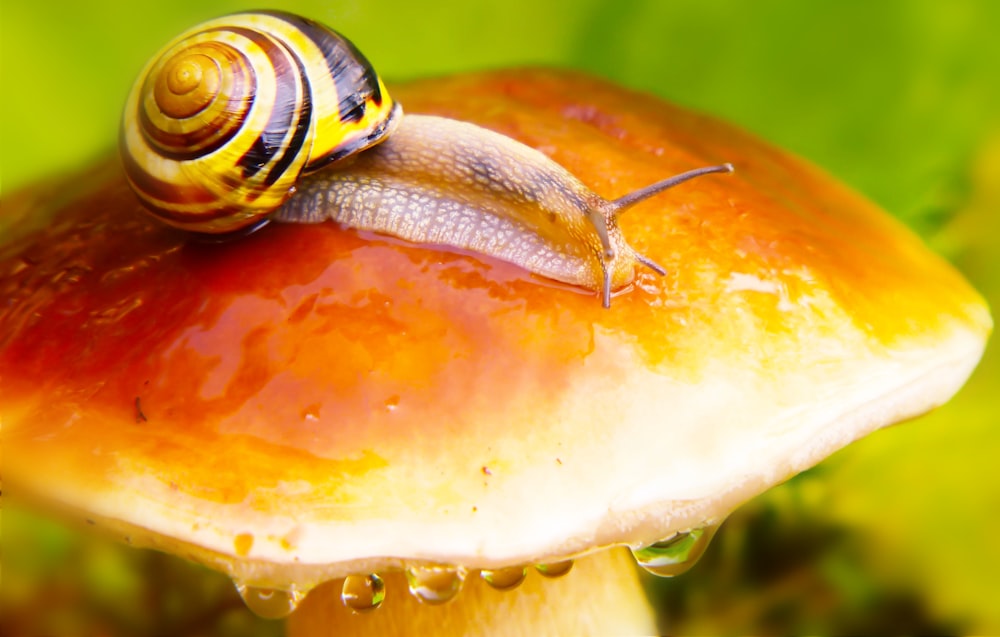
x=220 y=126
x=442 y=181
x=446 y=182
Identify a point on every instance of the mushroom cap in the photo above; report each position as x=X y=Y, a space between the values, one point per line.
x=310 y=401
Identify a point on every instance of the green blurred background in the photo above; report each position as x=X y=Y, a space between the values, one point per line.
x=898 y=533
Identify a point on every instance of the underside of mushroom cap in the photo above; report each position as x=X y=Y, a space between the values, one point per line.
x=310 y=402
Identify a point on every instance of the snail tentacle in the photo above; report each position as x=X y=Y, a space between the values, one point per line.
x=620 y=205
x=649 y=263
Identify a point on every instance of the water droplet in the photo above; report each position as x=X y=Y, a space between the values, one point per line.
x=270 y=603
x=363 y=592
x=391 y=403
x=435 y=584
x=504 y=579
x=554 y=569
x=675 y=554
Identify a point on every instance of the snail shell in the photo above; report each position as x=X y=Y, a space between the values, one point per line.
x=225 y=118
x=221 y=124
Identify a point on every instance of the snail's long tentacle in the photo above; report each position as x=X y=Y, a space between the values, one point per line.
x=621 y=204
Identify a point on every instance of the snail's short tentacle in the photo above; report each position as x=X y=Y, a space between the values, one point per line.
x=606 y=285
x=649 y=263
x=598 y=216
x=606 y=274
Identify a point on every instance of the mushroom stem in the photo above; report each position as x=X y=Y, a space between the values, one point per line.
x=600 y=596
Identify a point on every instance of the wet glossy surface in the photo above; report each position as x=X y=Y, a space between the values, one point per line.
x=292 y=370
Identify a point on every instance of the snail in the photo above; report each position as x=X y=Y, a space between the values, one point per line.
x=223 y=124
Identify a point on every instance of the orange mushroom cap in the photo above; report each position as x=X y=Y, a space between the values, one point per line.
x=310 y=401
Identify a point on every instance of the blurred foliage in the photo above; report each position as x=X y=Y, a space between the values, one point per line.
x=778 y=568
x=63 y=583
x=901 y=99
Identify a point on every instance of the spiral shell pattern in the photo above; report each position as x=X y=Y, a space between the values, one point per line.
x=221 y=123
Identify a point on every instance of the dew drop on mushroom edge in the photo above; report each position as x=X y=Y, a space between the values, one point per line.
x=504 y=579
x=270 y=603
x=675 y=554
x=435 y=584
x=362 y=593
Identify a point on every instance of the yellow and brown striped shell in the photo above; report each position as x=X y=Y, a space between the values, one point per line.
x=225 y=118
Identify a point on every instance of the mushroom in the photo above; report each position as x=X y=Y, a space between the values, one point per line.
x=311 y=403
